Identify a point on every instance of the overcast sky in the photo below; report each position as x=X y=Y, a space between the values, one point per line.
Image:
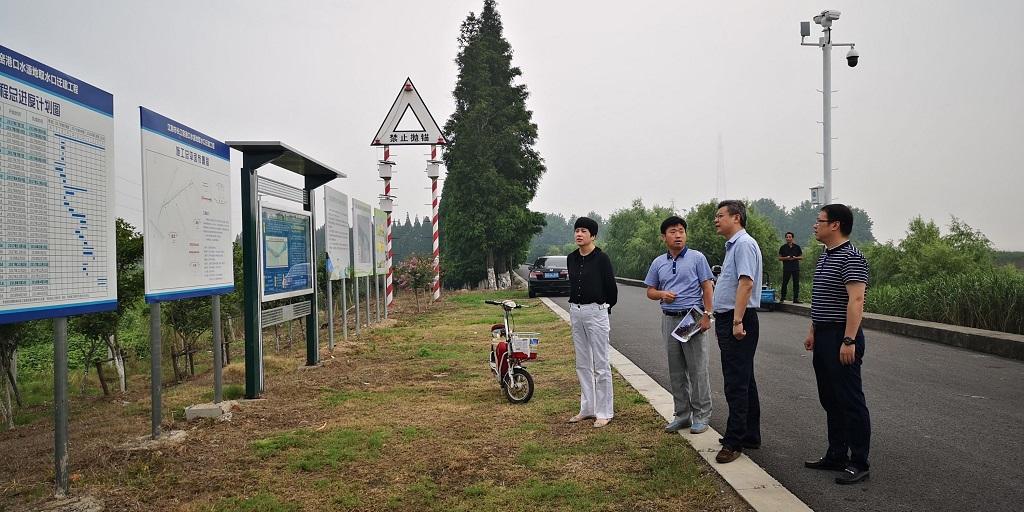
x=629 y=97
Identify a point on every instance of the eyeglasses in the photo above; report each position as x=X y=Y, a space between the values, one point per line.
x=826 y=221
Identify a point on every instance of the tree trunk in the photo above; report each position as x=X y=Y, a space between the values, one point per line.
x=99 y=375
x=8 y=365
x=227 y=342
x=5 y=406
x=114 y=348
x=174 y=361
x=491 y=282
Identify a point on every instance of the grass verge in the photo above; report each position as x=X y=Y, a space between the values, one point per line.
x=402 y=417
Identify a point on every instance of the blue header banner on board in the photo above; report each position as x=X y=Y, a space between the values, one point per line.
x=180 y=133
x=35 y=74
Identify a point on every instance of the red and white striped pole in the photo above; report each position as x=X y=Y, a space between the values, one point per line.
x=434 y=173
x=389 y=288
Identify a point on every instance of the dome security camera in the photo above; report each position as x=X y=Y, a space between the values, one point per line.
x=851 y=57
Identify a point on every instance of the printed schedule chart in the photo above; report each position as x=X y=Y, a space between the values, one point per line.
x=56 y=224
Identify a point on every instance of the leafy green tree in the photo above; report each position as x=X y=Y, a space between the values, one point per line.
x=631 y=237
x=416 y=273
x=493 y=169
x=100 y=329
x=701 y=235
x=190 y=319
x=802 y=219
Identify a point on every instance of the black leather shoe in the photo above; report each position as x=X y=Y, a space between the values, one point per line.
x=825 y=464
x=852 y=475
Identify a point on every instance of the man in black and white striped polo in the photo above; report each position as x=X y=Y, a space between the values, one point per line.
x=837 y=307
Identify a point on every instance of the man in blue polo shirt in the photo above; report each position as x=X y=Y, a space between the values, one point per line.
x=681 y=279
x=737 y=297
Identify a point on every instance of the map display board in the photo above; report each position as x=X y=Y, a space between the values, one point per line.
x=362 y=237
x=380 y=241
x=186 y=192
x=57 y=243
x=336 y=228
x=286 y=246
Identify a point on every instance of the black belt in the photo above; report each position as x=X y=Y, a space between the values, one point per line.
x=673 y=313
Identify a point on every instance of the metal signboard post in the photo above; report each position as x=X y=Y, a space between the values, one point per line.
x=336 y=227
x=362 y=243
x=57 y=233
x=186 y=197
x=407 y=123
x=315 y=174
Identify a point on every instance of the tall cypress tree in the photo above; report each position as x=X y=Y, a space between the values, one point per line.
x=493 y=169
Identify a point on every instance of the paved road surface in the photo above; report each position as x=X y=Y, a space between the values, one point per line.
x=947 y=423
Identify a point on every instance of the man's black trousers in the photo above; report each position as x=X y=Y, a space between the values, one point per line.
x=795 y=275
x=744 y=425
x=842 y=395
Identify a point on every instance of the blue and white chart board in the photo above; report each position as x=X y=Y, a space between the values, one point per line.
x=186 y=191
x=286 y=252
x=336 y=209
x=57 y=252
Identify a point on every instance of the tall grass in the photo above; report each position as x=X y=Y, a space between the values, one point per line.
x=991 y=298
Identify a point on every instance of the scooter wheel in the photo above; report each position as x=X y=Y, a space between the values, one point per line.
x=520 y=390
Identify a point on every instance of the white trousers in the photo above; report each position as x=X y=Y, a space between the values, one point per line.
x=590 y=329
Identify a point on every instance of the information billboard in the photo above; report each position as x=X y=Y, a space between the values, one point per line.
x=362 y=237
x=186 y=192
x=57 y=240
x=286 y=253
x=336 y=228
x=380 y=240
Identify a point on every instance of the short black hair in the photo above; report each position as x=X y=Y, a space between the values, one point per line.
x=674 y=220
x=586 y=223
x=790 y=233
x=735 y=207
x=842 y=214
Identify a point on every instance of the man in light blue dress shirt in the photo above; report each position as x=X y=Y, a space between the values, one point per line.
x=680 y=280
x=737 y=297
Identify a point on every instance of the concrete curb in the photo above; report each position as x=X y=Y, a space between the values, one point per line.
x=990 y=342
x=751 y=482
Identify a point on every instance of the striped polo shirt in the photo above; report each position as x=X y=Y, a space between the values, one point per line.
x=836 y=267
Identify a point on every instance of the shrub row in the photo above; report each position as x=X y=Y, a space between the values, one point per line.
x=987 y=298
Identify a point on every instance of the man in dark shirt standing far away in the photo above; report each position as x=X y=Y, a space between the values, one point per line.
x=790 y=255
x=837 y=342
x=592 y=293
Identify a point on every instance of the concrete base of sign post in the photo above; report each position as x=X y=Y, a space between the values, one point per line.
x=147 y=443
x=221 y=411
x=75 y=504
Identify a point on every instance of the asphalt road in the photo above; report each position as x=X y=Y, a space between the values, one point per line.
x=947 y=423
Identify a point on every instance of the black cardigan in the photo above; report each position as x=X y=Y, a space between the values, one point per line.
x=591 y=278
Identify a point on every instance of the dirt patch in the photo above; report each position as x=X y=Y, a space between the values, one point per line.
x=404 y=416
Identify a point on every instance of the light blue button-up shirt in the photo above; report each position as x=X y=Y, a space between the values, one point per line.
x=742 y=258
x=682 y=275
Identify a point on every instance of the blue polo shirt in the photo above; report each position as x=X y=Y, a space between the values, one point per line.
x=742 y=258
x=691 y=269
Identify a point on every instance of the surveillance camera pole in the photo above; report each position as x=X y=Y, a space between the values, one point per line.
x=826 y=44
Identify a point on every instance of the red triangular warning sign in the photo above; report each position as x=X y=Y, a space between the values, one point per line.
x=408 y=122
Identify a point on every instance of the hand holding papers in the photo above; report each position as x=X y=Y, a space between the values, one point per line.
x=688 y=325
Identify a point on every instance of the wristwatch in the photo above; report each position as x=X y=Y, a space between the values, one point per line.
x=737 y=322
x=848 y=341
x=707 y=313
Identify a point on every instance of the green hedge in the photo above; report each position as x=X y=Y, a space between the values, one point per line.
x=991 y=298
